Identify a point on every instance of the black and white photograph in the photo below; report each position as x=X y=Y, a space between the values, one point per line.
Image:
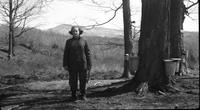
x=99 y=54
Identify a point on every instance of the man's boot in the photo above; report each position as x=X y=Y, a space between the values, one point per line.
x=73 y=97
x=83 y=97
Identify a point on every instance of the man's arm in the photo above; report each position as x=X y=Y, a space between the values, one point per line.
x=89 y=62
x=88 y=56
x=66 y=55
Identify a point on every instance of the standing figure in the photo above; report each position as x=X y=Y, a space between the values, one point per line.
x=77 y=61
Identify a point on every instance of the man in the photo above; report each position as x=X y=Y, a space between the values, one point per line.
x=77 y=60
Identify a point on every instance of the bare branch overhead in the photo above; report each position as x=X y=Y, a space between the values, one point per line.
x=193 y=4
x=21 y=12
x=110 y=19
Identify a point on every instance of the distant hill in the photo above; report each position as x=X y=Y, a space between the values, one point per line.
x=96 y=31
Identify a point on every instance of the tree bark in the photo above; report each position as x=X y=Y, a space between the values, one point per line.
x=127 y=37
x=154 y=43
x=177 y=17
x=178 y=11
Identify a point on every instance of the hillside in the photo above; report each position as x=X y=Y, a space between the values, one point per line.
x=96 y=31
x=107 y=52
x=191 y=43
x=39 y=55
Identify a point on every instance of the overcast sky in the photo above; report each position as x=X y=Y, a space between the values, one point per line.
x=84 y=13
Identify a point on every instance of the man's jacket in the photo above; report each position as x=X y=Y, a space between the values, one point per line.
x=77 y=55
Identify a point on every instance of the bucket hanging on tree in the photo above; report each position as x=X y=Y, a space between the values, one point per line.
x=133 y=63
x=170 y=66
x=177 y=60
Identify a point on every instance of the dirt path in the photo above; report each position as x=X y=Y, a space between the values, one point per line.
x=18 y=95
x=103 y=94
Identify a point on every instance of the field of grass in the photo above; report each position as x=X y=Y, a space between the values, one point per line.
x=191 y=43
x=39 y=55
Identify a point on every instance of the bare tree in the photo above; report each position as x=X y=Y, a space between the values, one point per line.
x=17 y=14
x=128 y=46
x=128 y=37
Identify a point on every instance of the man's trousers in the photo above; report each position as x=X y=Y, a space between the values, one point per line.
x=74 y=76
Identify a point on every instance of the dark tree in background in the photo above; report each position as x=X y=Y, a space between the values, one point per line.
x=154 y=44
x=128 y=46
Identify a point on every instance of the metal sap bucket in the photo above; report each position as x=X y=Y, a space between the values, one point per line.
x=170 y=66
x=133 y=63
x=177 y=60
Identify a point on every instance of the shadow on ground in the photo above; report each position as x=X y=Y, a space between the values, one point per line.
x=23 y=99
x=112 y=90
x=20 y=96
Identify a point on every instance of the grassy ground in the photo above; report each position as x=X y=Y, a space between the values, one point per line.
x=40 y=54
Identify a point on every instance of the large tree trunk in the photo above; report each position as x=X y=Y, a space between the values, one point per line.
x=178 y=10
x=127 y=37
x=154 y=43
x=176 y=15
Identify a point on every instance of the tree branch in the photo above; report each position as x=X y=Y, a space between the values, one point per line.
x=193 y=4
x=98 y=24
x=21 y=12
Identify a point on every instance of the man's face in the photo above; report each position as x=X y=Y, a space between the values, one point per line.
x=75 y=32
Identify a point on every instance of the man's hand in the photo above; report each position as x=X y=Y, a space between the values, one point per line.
x=66 y=68
x=88 y=75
